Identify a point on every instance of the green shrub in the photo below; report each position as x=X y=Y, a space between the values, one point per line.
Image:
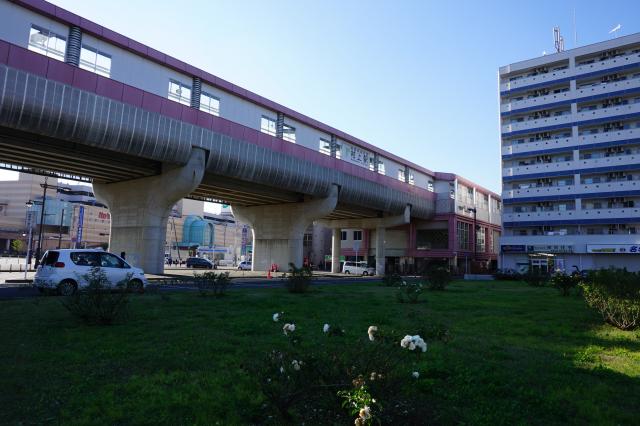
x=409 y=292
x=438 y=278
x=564 y=282
x=210 y=283
x=332 y=382
x=391 y=280
x=298 y=279
x=535 y=278
x=615 y=293
x=99 y=303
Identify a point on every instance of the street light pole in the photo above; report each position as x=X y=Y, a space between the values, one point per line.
x=475 y=237
x=44 y=200
x=27 y=262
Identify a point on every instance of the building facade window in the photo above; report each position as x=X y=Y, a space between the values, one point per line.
x=463 y=233
x=480 y=239
x=209 y=104
x=401 y=176
x=325 y=147
x=343 y=235
x=338 y=150
x=357 y=235
x=412 y=179
x=46 y=42
x=430 y=187
x=180 y=92
x=381 y=167
x=96 y=61
x=289 y=133
x=268 y=125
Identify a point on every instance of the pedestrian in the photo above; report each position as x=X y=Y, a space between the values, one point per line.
x=122 y=254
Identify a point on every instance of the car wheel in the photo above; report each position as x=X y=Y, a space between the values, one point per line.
x=135 y=286
x=347 y=272
x=365 y=273
x=67 y=287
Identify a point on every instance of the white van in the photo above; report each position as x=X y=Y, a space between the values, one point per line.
x=358 y=268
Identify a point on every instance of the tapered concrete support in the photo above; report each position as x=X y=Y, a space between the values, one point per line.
x=140 y=209
x=336 y=241
x=278 y=230
x=380 y=260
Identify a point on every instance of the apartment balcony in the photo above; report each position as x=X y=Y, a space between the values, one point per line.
x=578 y=241
x=619 y=61
x=612 y=111
x=623 y=185
x=610 y=136
x=577 y=190
x=532 y=102
x=539 y=145
x=552 y=120
x=603 y=88
x=565 y=215
x=571 y=167
x=536 y=79
x=539 y=191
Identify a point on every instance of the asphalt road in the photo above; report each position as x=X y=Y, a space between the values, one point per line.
x=27 y=291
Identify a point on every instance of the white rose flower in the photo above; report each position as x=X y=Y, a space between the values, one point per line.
x=288 y=328
x=371 y=332
x=296 y=365
x=276 y=317
x=365 y=412
x=415 y=374
x=325 y=329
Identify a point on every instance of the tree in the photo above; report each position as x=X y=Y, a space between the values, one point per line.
x=18 y=246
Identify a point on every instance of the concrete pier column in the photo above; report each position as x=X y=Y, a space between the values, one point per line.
x=380 y=231
x=278 y=230
x=140 y=209
x=336 y=244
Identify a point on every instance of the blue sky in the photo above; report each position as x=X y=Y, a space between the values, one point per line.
x=417 y=78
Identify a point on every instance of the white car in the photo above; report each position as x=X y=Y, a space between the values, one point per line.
x=244 y=266
x=65 y=270
x=358 y=268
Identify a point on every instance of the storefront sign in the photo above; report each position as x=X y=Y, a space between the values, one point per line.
x=550 y=249
x=613 y=248
x=513 y=249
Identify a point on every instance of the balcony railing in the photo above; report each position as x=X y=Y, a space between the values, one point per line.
x=538 y=145
x=535 y=79
x=602 y=88
x=540 y=100
x=608 y=112
x=539 y=122
x=633 y=58
x=631 y=212
x=571 y=166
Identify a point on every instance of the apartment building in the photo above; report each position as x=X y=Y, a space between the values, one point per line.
x=570 y=141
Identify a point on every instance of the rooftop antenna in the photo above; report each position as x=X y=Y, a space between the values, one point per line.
x=575 y=29
x=615 y=30
x=558 y=39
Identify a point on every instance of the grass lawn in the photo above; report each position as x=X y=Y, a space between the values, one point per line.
x=517 y=355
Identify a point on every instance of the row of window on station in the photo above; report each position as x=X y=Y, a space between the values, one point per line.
x=48 y=43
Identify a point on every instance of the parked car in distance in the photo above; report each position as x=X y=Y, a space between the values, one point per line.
x=65 y=270
x=200 y=262
x=358 y=268
x=244 y=266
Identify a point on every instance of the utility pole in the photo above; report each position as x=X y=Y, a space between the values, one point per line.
x=60 y=230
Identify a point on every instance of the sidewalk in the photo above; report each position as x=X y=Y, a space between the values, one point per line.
x=181 y=273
